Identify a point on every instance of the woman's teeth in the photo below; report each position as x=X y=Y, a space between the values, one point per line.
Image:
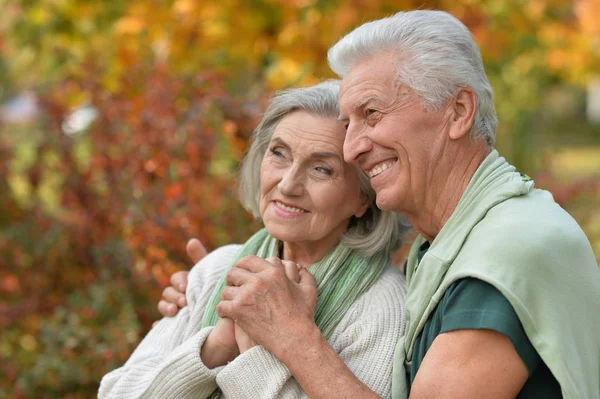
x=289 y=208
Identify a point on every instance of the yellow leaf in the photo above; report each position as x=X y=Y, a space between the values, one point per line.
x=129 y=26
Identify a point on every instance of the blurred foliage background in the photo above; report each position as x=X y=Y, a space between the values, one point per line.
x=123 y=123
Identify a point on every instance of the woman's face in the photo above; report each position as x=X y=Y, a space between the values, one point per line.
x=308 y=192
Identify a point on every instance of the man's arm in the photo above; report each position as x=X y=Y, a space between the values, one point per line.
x=470 y=364
x=174 y=295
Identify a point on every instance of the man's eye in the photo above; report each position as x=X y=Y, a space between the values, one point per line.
x=371 y=111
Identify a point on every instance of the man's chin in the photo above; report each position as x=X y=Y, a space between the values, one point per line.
x=384 y=203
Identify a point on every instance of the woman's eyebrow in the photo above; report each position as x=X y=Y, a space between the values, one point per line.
x=280 y=141
x=325 y=154
x=316 y=154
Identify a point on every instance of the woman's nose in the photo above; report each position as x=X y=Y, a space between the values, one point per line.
x=291 y=182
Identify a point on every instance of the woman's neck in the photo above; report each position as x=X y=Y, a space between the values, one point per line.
x=303 y=253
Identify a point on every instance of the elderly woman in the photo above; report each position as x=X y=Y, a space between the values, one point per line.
x=318 y=212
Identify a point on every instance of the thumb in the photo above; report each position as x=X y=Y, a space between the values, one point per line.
x=195 y=250
x=307 y=279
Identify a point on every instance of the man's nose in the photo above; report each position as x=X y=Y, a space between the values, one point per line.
x=355 y=144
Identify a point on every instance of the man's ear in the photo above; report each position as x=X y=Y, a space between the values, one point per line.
x=463 y=107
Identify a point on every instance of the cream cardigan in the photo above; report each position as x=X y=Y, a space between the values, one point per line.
x=167 y=363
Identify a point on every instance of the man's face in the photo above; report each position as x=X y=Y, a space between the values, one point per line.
x=389 y=133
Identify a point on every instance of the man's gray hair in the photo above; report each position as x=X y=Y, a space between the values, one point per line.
x=436 y=55
x=376 y=230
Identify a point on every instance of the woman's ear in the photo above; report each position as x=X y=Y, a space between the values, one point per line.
x=362 y=209
x=463 y=109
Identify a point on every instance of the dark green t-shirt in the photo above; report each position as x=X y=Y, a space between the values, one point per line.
x=474 y=304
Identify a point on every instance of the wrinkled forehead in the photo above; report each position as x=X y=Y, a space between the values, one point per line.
x=302 y=130
x=373 y=78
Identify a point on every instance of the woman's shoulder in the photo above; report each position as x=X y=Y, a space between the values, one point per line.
x=214 y=264
x=391 y=282
x=224 y=253
x=379 y=312
x=385 y=297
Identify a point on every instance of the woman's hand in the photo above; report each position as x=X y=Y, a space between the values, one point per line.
x=220 y=346
x=243 y=340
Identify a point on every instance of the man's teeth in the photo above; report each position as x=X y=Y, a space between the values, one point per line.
x=289 y=208
x=378 y=169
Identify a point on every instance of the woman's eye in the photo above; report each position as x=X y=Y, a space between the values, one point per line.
x=276 y=152
x=322 y=169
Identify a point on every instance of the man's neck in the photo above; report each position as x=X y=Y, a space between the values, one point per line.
x=447 y=186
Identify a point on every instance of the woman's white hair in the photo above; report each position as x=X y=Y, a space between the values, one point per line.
x=376 y=230
x=436 y=55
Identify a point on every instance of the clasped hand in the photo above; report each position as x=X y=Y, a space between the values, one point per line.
x=247 y=293
x=266 y=302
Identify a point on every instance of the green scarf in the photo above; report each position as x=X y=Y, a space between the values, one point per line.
x=516 y=238
x=343 y=275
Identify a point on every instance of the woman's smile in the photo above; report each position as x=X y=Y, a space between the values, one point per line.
x=287 y=210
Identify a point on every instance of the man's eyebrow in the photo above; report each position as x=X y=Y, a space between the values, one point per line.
x=365 y=101
x=359 y=105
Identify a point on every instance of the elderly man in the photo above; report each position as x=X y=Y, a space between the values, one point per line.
x=504 y=289
x=500 y=275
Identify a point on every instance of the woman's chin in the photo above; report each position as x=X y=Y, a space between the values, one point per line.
x=280 y=233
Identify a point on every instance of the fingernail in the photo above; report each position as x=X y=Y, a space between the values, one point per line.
x=181 y=301
x=172 y=307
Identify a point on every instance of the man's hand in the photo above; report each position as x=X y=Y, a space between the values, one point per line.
x=292 y=271
x=272 y=309
x=174 y=295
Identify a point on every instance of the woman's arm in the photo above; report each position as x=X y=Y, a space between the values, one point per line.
x=356 y=362
x=168 y=361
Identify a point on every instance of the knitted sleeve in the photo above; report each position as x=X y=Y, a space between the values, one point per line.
x=167 y=362
x=365 y=340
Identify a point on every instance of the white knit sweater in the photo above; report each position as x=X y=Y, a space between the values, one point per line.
x=167 y=362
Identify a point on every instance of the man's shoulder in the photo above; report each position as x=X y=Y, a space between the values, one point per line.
x=523 y=234
x=534 y=220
